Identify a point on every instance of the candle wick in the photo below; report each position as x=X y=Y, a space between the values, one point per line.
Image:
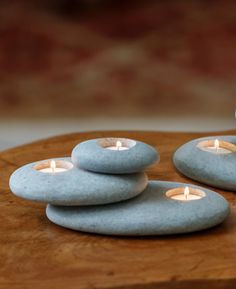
x=186 y=193
x=217 y=145
x=118 y=145
x=53 y=166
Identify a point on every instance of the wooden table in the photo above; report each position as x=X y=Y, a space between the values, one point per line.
x=34 y=253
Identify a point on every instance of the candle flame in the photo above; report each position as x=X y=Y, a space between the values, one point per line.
x=217 y=144
x=186 y=192
x=118 y=144
x=53 y=165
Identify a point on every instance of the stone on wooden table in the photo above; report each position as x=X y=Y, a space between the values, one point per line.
x=209 y=167
x=150 y=213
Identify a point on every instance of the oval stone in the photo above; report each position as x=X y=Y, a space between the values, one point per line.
x=151 y=213
x=75 y=186
x=94 y=155
x=217 y=170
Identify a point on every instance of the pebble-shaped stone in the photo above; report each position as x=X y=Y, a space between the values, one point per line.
x=94 y=155
x=75 y=186
x=214 y=169
x=151 y=213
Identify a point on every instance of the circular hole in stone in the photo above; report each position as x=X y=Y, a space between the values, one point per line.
x=216 y=146
x=53 y=166
x=116 y=143
x=185 y=194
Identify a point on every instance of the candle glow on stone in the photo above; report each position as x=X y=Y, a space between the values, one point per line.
x=118 y=146
x=185 y=194
x=116 y=143
x=216 y=146
x=52 y=167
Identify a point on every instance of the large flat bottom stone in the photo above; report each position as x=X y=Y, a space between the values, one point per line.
x=151 y=213
x=217 y=170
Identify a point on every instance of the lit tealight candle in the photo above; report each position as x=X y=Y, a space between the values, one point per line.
x=217 y=147
x=118 y=147
x=52 y=168
x=185 y=194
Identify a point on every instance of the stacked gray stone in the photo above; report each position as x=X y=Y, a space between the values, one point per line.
x=96 y=175
x=105 y=190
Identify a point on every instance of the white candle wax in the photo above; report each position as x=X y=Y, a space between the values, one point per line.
x=181 y=197
x=215 y=150
x=115 y=148
x=51 y=170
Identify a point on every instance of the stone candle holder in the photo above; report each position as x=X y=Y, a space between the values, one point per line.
x=74 y=186
x=103 y=189
x=209 y=160
x=70 y=182
x=153 y=212
x=103 y=156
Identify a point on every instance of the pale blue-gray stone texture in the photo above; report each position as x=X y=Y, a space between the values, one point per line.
x=75 y=186
x=217 y=170
x=150 y=213
x=89 y=155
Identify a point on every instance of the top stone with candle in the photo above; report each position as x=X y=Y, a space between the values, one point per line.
x=114 y=155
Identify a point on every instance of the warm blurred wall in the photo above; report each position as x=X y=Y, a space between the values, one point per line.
x=144 y=58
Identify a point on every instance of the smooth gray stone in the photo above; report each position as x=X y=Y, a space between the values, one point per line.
x=75 y=186
x=89 y=155
x=208 y=168
x=151 y=213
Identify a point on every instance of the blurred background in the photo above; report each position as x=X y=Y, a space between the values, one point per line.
x=75 y=65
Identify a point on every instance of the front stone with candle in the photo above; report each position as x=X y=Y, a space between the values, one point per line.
x=209 y=160
x=153 y=212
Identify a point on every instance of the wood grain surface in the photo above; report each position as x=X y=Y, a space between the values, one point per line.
x=34 y=253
